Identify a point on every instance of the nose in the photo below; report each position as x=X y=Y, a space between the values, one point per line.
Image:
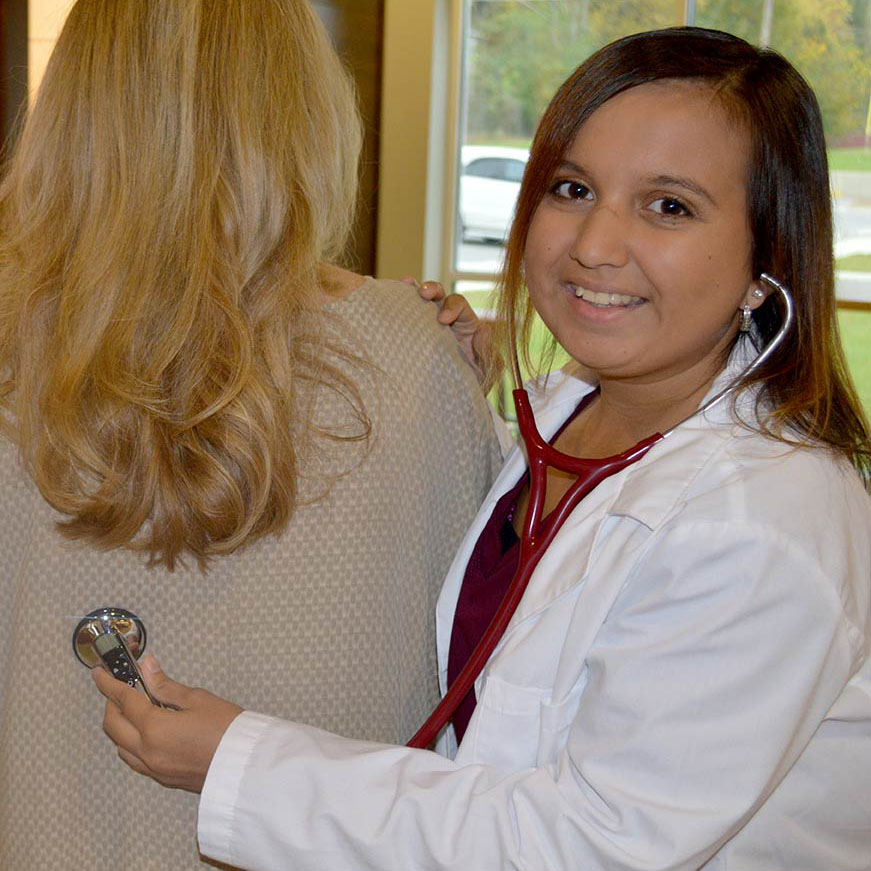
x=602 y=238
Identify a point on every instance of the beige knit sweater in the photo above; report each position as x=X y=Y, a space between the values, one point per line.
x=331 y=624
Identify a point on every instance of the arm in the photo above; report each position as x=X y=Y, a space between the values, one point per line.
x=713 y=670
x=705 y=683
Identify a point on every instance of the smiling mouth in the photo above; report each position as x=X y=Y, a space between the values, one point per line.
x=604 y=300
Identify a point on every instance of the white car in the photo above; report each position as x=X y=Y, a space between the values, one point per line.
x=489 y=183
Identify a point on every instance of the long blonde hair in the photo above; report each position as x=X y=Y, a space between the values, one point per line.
x=185 y=168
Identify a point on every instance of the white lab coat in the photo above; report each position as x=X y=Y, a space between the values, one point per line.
x=686 y=684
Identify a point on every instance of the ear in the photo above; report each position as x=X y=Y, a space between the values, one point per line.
x=756 y=294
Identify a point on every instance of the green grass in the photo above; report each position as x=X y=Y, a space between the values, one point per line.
x=856 y=337
x=839 y=158
x=858 y=159
x=854 y=263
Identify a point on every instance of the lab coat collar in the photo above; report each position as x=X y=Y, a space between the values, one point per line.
x=648 y=491
x=655 y=485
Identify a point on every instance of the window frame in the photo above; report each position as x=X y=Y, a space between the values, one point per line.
x=421 y=140
x=684 y=12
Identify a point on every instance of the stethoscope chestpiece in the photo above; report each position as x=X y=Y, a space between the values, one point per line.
x=107 y=621
x=115 y=639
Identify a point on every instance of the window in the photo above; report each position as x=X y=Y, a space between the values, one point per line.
x=489 y=183
x=514 y=54
x=499 y=168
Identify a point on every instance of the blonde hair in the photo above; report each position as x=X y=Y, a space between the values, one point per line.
x=186 y=167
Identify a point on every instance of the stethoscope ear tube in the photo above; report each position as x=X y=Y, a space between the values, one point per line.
x=761 y=357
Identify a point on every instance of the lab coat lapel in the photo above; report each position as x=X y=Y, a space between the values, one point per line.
x=551 y=409
x=566 y=562
x=648 y=492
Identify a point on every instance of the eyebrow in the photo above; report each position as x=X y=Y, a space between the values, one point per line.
x=686 y=183
x=659 y=180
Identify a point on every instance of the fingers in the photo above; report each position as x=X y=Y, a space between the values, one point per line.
x=457 y=311
x=432 y=290
x=125 y=709
x=167 y=691
x=125 y=698
x=128 y=710
x=175 y=748
x=123 y=734
x=429 y=290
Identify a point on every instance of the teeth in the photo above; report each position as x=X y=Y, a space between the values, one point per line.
x=605 y=298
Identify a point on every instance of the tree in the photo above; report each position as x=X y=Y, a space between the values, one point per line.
x=521 y=50
x=820 y=38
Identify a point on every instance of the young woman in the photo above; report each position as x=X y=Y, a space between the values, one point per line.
x=686 y=682
x=185 y=383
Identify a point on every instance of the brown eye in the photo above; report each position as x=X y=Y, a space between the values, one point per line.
x=670 y=207
x=571 y=190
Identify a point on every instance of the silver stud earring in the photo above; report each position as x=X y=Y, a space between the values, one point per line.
x=746 y=319
x=758 y=293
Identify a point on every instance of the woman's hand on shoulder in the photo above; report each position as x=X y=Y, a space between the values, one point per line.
x=471 y=332
x=172 y=746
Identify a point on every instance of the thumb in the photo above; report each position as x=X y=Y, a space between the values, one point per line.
x=163 y=688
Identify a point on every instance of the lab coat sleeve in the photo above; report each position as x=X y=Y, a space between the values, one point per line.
x=283 y=795
x=714 y=667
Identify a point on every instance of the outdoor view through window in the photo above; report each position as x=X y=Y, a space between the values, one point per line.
x=516 y=53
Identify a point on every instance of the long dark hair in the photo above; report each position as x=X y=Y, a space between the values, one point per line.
x=805 y=387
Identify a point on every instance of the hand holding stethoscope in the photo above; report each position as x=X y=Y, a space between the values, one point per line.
x=174 y=747
x=145 y=735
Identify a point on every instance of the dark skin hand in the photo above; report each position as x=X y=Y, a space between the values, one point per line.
x=173 y=747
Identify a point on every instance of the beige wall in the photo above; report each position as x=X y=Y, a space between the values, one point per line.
x=420 y=89
x=45 y=19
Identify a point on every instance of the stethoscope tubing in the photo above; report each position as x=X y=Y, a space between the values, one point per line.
x=535 y=540
x=538 y=535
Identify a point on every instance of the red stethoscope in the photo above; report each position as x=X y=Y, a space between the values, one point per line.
x=535 y=540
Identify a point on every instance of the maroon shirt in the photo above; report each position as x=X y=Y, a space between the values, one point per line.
x=489 y=573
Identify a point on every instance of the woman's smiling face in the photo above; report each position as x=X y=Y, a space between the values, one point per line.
x=638 y=257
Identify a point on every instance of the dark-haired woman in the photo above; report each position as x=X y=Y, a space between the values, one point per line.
x=686 y=683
